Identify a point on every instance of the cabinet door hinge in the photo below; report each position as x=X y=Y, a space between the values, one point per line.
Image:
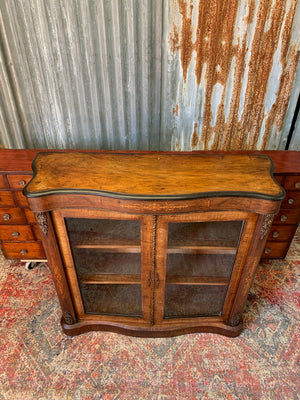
x=157 y=281
x=150 y=279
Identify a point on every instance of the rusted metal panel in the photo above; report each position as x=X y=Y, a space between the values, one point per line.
x=148 y=74
x=290 y=135
x=234 y=63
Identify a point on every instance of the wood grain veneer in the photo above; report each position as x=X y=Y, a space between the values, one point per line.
x=153 y=175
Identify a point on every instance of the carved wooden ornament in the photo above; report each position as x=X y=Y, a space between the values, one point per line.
x=68 y=317
x=268 y=219
x=41 y=218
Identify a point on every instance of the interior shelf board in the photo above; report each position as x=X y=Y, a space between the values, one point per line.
x=101 y=240
x=197 y=280
x=116 y=248
x=201 y=249
x=111 y=279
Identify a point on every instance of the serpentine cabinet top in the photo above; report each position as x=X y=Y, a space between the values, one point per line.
x=153 y=176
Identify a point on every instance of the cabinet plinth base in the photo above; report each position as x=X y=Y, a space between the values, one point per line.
x=138 y=331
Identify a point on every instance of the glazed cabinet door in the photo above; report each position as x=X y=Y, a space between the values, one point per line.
x=199 y=264
x=107 y=258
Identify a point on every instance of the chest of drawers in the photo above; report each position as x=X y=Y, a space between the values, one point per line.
x=287 y=173
x=19 y=236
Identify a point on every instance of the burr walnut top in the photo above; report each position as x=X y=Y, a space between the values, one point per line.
x=143 y=175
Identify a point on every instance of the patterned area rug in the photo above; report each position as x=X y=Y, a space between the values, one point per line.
x=37 y=361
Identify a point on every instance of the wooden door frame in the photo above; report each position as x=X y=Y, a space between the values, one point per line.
x=146 y=221
x=250 y=221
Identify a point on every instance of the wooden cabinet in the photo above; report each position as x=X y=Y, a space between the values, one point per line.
x=153 y=244
x=287 y=172
x=17 y=233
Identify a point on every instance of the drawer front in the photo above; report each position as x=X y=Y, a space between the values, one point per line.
x=280 y=233
x=3 y=184
x=21 y=199
x=24 y=251
x=292 y=200
x=15 y=233
x=287 y=217
x=292 y=183
x=18 y=181
x=6 y=199
x=30 y=216
x=275 y=249
x=10 y=216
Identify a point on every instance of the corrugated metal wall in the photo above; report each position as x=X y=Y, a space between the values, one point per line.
x=148 y=74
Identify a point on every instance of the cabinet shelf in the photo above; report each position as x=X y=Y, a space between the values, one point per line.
x=197 y=280
x=111 y=247
x=136 y=279
x=136 y=248
x=190 y=249
x=111 y=279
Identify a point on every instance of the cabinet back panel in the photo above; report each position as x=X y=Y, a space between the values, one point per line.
x=121 y=300
x=194 y=301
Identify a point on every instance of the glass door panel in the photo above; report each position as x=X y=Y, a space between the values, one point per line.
x=195 y=265
x=107 y=260
x=194 y=300
x=204 y=236
x=110 y=299
x=200 y=259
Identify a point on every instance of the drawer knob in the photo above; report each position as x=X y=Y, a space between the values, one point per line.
x=23 y=252
x=297 y=185
x=291 y=201
x=6 y=217
x=267 y=250
x=283 y=217
x=15 y=234
x=275 y=234
x=22 y=182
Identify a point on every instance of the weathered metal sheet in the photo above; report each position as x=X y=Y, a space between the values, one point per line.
x=290 y=135
x=85 y=74
x=229 y=72
x=147 y=74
